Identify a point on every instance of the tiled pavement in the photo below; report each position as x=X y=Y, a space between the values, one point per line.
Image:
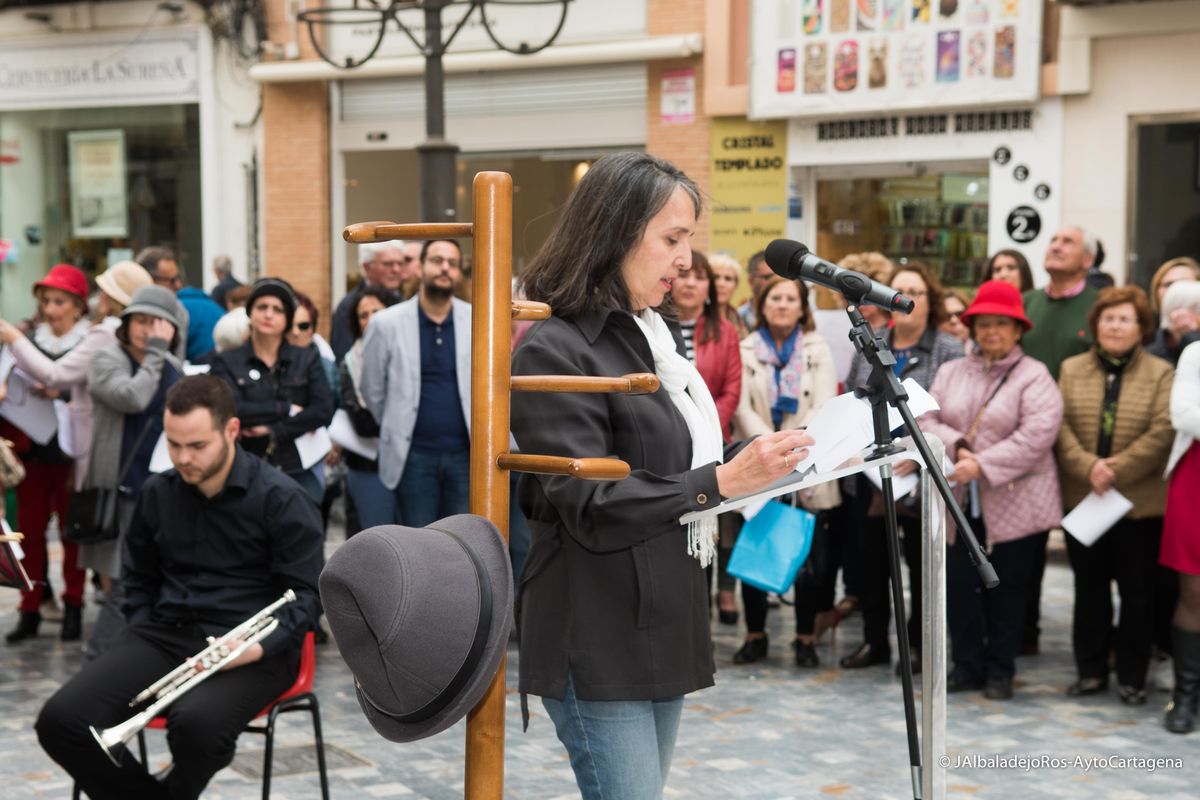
x=767 y=731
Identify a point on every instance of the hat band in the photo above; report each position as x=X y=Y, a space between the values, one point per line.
x=474 y=655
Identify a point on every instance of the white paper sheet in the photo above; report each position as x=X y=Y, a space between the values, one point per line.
x=196 y=369
x=842 y=426
x=1094 y=515
x=341 y=431
x=160 y=459
x=32 y=414
x=902 y=485
x=312 y=447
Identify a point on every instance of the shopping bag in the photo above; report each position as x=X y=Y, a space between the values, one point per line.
x=772 y=547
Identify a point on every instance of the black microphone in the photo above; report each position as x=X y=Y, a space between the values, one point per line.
x=794 y=260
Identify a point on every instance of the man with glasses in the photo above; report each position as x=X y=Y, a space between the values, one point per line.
x=384 y=264
x=759 y=272
x=416 y=381
x=195 y=337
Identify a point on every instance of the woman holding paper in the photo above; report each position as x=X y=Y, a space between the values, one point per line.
x=62 y=306
x=374 y=502
x=920 y=349
x=1115 y=437
x=1181 y=543
x=999 y=418
x=614 y=618
x=788 y=373
x=282 y=392
x=128 y=382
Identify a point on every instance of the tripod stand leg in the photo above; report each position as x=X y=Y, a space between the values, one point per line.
x=898 y=612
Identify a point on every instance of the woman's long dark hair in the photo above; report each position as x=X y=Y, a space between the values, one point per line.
x=711 y=313
x=1022 y=267
x=578 y=269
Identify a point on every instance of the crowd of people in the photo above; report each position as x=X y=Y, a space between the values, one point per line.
x=1046 y=394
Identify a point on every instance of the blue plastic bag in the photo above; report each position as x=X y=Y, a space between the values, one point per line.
x=772 y=547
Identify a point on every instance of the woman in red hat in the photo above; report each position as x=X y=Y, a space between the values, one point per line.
x=999 y=419
x=62 y=313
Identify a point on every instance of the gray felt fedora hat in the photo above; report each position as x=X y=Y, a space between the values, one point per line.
x=422 y=617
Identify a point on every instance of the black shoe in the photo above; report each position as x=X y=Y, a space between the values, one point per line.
x=915 y=657
x=753 y=650
x=27 y=627
x=806 y=654
x=1030 y=648
x=727 y=617
x=1086 y=686
x=1181 y=712
x=72 y=623
x=1132 y=695
x=998 y=689
x=957 y=682
x=866 y=655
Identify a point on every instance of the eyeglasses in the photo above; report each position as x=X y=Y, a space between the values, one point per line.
x=396 y=263
x=437 y=261
x=956 y=315
x=168 y=282
x=302 y=326
x=913 y=294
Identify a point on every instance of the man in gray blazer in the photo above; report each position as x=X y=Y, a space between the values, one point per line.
x=416 y=381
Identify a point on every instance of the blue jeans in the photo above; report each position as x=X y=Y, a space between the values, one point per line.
x=433 y=486
x=312 y=482
x=619 y=749
x=375 y=503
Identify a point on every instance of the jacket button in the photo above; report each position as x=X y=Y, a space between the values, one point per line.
x=702 y=498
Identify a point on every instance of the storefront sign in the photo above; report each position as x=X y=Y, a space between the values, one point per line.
x=98 y=204
x=749 y=186
x=1024 y=224
x=87 y=71
x=679 y=96
x=850 y=56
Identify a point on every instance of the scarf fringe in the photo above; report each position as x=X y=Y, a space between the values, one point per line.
x=702 y=541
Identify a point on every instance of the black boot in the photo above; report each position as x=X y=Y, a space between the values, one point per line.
x=1181 y=713
x=72 y=624
x=27 y=627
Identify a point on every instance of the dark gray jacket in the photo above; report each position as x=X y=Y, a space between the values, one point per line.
x=932 y=350
x=609 y=593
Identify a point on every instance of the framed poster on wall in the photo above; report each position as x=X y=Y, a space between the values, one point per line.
x=825 y=57
x=99 y=208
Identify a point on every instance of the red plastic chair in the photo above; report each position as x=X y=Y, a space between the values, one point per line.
x=299 y=697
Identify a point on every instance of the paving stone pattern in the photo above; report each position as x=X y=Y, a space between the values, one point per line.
x=767 y=731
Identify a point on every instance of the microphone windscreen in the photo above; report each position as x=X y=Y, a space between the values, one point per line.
x=780 y=254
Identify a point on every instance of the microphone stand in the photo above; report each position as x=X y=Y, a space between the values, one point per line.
x=884 y=389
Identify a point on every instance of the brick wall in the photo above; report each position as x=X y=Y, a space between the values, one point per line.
x=686 y=145
x=295 y=179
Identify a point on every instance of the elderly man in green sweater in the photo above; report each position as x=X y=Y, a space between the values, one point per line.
x=1059 y=314
x=1059 y=311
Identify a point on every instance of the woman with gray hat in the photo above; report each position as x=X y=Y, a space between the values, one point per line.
x=613 y=602
x=281 y=390
x=128 y=381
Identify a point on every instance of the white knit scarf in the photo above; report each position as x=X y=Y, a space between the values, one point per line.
x=691 y=397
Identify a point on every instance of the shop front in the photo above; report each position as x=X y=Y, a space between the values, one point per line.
x=913 y=131
x=110 y=143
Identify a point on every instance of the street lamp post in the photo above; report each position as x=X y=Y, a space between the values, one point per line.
x=437 y=155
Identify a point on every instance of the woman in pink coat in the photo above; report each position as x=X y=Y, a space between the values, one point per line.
x=999 y=419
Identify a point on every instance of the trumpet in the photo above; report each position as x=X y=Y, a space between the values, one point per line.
x=190 y=674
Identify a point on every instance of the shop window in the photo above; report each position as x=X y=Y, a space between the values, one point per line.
x=92 y=186
x=938 y=219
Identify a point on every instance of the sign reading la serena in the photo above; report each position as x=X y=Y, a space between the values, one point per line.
x=749 y=187
x=80 y=71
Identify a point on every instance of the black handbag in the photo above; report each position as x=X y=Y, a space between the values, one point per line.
x=93 y=515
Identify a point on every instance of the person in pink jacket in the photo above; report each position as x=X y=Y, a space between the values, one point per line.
x=999 y=419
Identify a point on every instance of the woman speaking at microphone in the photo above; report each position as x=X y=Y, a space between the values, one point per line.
x=612 y=606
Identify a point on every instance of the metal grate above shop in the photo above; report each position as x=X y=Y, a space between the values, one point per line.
x=924 y=125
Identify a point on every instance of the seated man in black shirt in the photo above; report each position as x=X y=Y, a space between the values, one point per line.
x=212 y=542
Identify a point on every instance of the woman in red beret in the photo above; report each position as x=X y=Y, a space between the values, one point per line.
x=62 y=324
